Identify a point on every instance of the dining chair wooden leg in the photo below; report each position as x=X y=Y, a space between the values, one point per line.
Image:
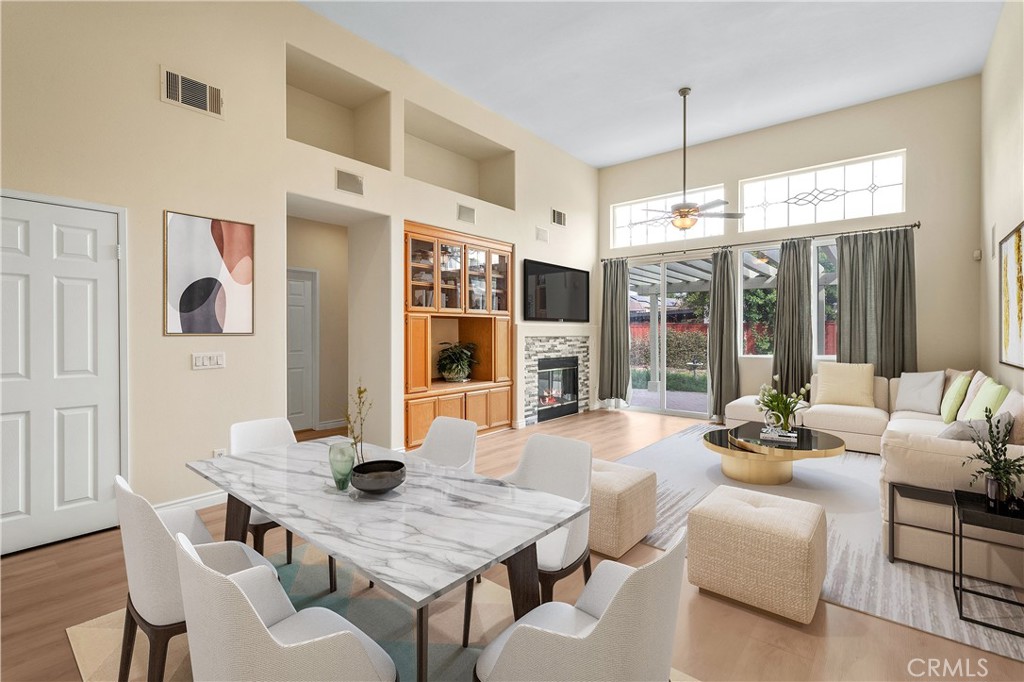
x=159 y=637
x=127 y=645
x=547 y=589
x=288 y=545
x=257 y=537
x=468 y=614
x=332 y=568
x=479 y=578
x=158 y=655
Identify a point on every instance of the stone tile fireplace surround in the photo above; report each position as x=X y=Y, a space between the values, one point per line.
x=537 y=347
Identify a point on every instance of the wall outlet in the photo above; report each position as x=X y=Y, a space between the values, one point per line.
x=219 y=452
x=208 y=360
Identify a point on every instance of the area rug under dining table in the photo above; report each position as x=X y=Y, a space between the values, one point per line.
x=859 y=575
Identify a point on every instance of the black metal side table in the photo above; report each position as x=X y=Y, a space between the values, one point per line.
x=972 y=509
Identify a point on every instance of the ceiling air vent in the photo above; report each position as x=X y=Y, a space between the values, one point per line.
x=541 y=234
x=557 y=217
x=467 y=214
x=189 y=92
x=349 y=182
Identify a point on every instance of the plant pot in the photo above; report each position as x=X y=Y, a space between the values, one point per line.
x=342 y=457
x=996 y=494
x=456 y=376
x=378 y=476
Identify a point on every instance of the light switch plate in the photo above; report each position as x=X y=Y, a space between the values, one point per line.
x=208 y=360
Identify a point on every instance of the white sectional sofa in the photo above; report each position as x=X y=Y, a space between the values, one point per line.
x=913 y=454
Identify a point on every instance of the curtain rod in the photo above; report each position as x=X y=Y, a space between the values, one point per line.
x=915 y=225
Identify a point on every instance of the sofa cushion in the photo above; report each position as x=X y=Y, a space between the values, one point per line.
x=954 y=374
x=744 y=409
x=932 y=427
x=849 y=418
x=907 y=414
x=972 y=390
x=920 y=392
x=990 y=396
x=1014 y=404
x=974 y=428
x=843 y=383
x=953 y=398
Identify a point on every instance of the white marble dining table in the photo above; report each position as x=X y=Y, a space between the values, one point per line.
x=436 y=531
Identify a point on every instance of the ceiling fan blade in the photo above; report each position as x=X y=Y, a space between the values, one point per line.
x=714 y=203
x=733 y=216
x=657 y=210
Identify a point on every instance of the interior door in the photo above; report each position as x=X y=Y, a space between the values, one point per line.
x=302 y=397
x=59 y=372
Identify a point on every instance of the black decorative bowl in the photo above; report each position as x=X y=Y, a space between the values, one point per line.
x=378 y=476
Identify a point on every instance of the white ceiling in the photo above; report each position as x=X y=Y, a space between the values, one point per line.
x=600 y=79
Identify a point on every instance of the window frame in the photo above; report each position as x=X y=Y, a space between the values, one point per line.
x=677 y=197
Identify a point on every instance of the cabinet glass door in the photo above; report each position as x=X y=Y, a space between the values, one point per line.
x=450 y=275
x=476 y=279
x=499 y=282
x=421 y=273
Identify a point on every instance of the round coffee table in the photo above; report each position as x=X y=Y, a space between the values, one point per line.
x=749 y=458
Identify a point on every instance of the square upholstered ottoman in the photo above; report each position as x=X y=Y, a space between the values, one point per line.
x=622 y=502
x=759 y=549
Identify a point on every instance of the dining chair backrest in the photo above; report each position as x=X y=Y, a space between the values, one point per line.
x=451 y=442
x=149 y=558
x=261 y=433
x=230 y=640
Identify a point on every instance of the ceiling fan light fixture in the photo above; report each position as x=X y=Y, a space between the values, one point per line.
x=684 y=222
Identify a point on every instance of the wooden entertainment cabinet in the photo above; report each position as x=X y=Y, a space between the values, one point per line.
x=458 y=288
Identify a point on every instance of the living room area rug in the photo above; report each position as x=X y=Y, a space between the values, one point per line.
x=859 y=575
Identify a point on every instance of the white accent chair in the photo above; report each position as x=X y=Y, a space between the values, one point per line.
x=154 y=595
x=257 y=435
x=450 y=442
x=621 y=628
x=560 y=466
x=243 y=627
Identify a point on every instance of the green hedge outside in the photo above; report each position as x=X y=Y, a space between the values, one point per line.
x=676 y=381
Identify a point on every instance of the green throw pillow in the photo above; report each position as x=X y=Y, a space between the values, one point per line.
x=954 y=397
x=991 y=395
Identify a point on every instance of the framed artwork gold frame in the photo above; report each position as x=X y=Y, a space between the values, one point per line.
x=1011 y=298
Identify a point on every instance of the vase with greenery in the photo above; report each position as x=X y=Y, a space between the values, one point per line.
x=773 y=402
x=345 y=455
x=455 y=360
x=1002 y=473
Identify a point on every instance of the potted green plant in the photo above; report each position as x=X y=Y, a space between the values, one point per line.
x=780 y=407
x=1002 y=473
x=455 y=360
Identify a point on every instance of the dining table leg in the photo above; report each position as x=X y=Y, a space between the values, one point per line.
x=523 y=581
x=236 y=521
x=421 y=644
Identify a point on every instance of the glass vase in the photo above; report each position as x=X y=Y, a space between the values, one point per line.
x=342 y=457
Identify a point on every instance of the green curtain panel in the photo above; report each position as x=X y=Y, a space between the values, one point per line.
x=614 y=380
x=792 y=359
x=877 y=317
x=723 y=351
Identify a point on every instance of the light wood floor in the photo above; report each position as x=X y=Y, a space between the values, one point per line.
x=49 y=589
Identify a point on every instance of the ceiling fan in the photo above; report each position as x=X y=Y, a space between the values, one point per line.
x=685 y=214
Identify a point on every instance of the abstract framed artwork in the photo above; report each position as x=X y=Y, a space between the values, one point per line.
x=1011 y=298
x=208 y=275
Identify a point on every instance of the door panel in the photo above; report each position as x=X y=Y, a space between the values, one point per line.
x=499 y=404
x=419 y=415
x=302 y=408
x=451 y=406
x=417 y=353
x=60 y=374
x=502 y=357
x=476 y=409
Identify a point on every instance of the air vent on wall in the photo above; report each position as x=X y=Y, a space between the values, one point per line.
x=542 y=234
x=189 y=92
x=467 y=214
x=349 y=182
x=557 y=217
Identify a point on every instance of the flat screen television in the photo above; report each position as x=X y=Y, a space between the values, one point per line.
x=555 y=293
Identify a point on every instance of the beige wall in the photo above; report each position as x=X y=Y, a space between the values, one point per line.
x=82 y=118
x=938 y=126
x=1002 y=174
x=323 y=247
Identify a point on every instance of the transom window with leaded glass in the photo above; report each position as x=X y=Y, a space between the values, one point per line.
x=863 y=187
x=649 y=221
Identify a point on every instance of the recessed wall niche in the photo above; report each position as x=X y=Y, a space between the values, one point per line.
x=337 y=111
x=449 y=155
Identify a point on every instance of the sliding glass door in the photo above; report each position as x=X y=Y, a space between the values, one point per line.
x=668 y=326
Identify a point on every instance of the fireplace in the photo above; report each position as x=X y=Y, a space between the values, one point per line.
x=557 y=387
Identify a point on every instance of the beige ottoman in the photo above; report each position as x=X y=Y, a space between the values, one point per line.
x=621 y=507
x=763 y=550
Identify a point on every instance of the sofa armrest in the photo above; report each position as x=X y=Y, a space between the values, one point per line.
x=929 y=461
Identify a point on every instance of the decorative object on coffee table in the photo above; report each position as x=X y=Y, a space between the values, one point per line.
x=779 y=409
x=342 y=457
x=455 y=361
x=1011 y=298
x=1002 y=473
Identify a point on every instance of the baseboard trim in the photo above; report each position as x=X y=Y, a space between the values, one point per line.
x=330 y=424
x=196 y=502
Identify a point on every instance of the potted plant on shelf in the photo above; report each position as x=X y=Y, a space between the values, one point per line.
x=455 y=360
x=778 y=407
x=1002 y=473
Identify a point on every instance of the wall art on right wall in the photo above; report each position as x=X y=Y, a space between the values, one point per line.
x=1011 y=298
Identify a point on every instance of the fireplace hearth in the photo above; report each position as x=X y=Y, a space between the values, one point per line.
x=557 y=387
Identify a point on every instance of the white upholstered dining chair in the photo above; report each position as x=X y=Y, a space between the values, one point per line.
x=154 y=595
x=621 y=628
x=560 y=466
x=258 y=434
x=450 y=442
x=243 y=627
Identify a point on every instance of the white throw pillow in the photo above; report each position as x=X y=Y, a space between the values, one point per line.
x=842 y=383
x=920 y=392
x=1014 y=404
x=974 y=428
x=972 y=391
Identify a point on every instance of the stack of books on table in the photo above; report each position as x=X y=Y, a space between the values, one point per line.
x=779 y=436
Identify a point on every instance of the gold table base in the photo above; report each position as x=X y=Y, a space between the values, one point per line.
x=756 y=472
